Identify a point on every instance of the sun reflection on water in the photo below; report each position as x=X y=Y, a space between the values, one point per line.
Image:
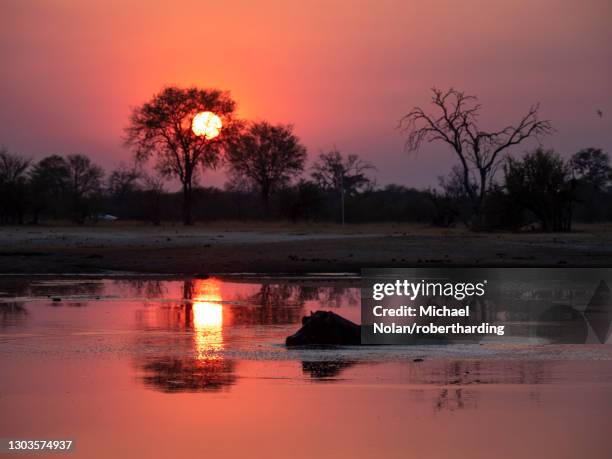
x=207 y=316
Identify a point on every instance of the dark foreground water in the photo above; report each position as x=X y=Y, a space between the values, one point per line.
x=197 y=368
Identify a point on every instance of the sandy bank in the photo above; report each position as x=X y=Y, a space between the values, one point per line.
x=274 y=248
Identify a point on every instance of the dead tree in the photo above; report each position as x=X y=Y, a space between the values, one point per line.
x=454 y=121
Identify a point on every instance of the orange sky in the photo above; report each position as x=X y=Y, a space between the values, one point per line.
x=342 y=71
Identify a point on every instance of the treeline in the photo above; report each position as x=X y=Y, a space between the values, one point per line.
x=539 y=190
x=186 y=131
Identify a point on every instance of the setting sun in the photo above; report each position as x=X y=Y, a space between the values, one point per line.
x=206 y=124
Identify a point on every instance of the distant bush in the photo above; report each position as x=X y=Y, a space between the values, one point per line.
x=541 y=183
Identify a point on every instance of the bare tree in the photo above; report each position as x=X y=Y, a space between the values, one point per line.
x=13 y=180
x=124 y=180
x=163 y=127
x=332 y=171
x=266 y=157
x=85 y=182
x=342 y=175
x=12 y=167
x=454 y=121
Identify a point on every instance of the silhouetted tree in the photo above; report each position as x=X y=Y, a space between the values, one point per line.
x=85 y=182
x=304 y=200
x=452 y=202
x=123 y=190
x=541 y=182
x=341 y=175
x=266 y=157
x=162 y=128
x=13 y=180
x=332 y=171
x=49 y=183
x=591 y=169
x=455 y=122
x=592 y=166
x=123 y=180
x=153 y=190
x=392 y=203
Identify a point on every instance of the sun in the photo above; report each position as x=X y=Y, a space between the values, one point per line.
x=206 y=124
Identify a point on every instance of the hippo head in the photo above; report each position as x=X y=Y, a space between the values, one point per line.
x=325 y=328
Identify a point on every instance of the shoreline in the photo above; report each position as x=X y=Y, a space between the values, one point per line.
x=282 y=249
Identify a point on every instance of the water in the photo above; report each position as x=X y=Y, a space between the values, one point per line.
x=182 y=368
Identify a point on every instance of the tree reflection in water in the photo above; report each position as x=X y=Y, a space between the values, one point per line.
x=203 y=318
x=193 y=356
x=12 y=314
x=326 y=370
x=188 y=375
x=205 y=368
x=272 y=304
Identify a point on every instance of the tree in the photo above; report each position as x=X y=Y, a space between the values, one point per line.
x=13 y=181
x=341 y=175
x=334 y=172
x=452 y=202
x=162 y=128
x=304 y=200
x=123 y=180
x=541 y=182
x=124 y=191
x=592 y=166
x=591 y=169
x=266 y=157
x=153 y=191
x=49 y=183
x=84 y=183
x=455 y=122
x=12 y=167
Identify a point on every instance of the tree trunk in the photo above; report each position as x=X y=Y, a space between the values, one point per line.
x=265 y=199
x=79 y=218
x=479 y=221
x=156 y=211
x=187 y=218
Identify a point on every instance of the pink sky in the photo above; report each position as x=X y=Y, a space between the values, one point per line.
x=343 y=72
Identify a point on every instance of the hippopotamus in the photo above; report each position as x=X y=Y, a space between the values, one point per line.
x=325 y=328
